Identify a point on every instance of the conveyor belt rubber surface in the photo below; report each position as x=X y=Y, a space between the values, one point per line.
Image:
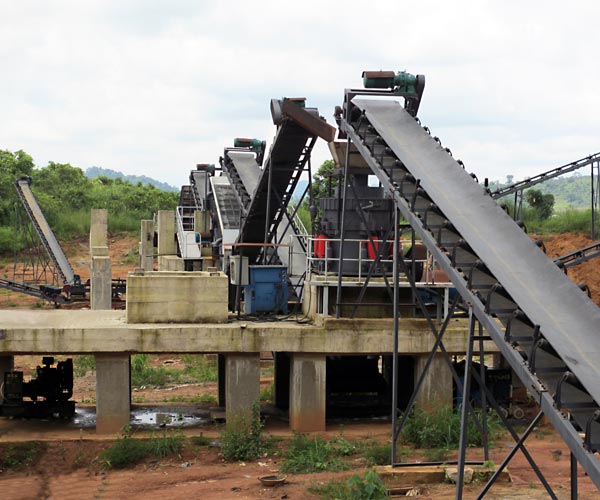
x=545 y=326
x=45 y=232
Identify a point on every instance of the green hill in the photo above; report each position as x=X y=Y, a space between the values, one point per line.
x=571 y=191
x=93 y=172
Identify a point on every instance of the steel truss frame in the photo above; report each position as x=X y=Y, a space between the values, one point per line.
x=478 y=311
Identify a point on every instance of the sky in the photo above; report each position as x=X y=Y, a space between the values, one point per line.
x=154 y=87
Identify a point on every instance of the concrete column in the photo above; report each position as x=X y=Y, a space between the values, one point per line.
x=147 y=245
x=101 y=282
x=112 y=392
x=242 y=386
x=166 y=232
x=436 y=390
x=7 y=364
x=99 y=228
x=221 y=358
x=307 y=392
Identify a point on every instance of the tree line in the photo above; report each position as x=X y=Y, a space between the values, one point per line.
x=66 y=196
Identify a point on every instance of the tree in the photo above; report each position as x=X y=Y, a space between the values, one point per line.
x=325 y=180
x=542 y=203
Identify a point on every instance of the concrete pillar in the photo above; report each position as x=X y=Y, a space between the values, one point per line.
x=112 y=392
x=282 y=380
x=99 y=228
x=101 y=282
x=166 y=232
x=221 y=358
x=7 y=364
x=242 y=386
x=307 y=392
x=436 y=390
x=147 y=245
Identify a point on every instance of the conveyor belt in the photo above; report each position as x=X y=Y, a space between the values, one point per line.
x=579 y=256
x=51 y=244
x=543 y=177
x=297 y=132
x=545 y=326
x=228 y=208
x=45 y=292
x=199 y=184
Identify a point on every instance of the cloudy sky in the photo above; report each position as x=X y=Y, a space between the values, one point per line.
x=154 y=87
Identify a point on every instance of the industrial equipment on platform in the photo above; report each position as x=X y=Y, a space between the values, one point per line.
x=46 y=396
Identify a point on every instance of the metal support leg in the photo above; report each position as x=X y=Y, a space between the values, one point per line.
x=341 y=259
x=482 y=395
x=464 y=416
x=574 y=485
x=396 y=320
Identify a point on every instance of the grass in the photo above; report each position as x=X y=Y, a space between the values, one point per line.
x=21 y=455
x=306 y=455
x=128 y=450
x=198 y=369
x=266 y=393
x=381 y=454
x=366 y=487
x=440 y=429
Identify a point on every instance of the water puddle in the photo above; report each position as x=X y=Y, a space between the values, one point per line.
x=150 y=418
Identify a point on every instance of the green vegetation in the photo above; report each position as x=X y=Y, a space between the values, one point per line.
x=266 y=393
x=243 y=439
x=542 y=204
x=305 y=455
x=198 y=369
x=84 y=364
x=128 y=451
x=66 y=197
x=440 y=429
x=366 y=487
x=200 y=440
x=20 y=455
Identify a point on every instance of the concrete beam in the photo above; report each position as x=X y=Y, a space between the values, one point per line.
x=147 y=245
x=98 y=228
x=112 y=393
x=177 y=297
x=101 y=283
x=73 y=332
x=307 y=392
x=242 y=387
x=166 y=232
x=171 y=263
x=436 y=390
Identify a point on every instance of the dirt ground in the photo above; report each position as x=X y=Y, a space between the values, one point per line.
x=69 y=467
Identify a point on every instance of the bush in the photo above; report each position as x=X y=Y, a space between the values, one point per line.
x=125 y=452
x=242 y=440
x=440 y=428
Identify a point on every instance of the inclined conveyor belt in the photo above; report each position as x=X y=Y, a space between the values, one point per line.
x=51 y=244
x=546 y=328
x=545 y=176
x=244 y=174
x=579 y=256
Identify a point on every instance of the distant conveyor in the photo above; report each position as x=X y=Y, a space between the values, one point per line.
x=244 y=173
x=44 y=231
x=545 y=327
x=543 y=177
x=579 y=256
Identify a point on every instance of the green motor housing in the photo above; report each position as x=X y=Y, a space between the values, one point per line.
x=401 y=82
x=241 y=142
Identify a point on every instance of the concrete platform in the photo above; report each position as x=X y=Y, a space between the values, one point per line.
x=92 y=332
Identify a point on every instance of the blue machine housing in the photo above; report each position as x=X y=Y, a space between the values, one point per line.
x=267 y=291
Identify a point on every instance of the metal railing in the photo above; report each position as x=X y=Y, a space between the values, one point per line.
x=188 y=244
x=327 y=265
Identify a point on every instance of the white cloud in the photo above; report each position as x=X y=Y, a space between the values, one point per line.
x=155 y=87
